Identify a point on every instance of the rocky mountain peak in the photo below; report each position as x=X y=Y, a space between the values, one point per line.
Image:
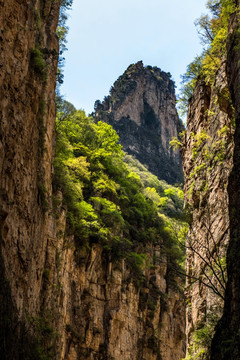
x=141 y=108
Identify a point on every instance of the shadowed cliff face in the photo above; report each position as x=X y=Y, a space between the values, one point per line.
x=215 y=226
x=28 y=62
x=141 y=108
x=226 y=344
x=207 y=163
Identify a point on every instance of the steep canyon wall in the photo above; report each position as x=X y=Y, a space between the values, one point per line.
x=211 y=169
x=226 y=343
x=28 y=62
x=207 y=163
x=59 y=302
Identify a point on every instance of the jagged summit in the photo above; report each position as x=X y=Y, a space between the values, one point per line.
x=141 y=108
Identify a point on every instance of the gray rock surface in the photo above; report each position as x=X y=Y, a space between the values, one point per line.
x=141 y=107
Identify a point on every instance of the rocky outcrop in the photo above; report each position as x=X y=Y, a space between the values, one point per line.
x=142 y=109
x=207 y=163
x=57 y=301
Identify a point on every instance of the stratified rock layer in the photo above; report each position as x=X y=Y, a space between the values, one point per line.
x=142 y=109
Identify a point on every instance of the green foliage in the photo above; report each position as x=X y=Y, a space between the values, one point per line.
x=38 y=62
x=175 y=143
x=199 y=140
x=122 y=86
x=207 y=154
x=43 y=196
x=201 y=340
x=197 y=170
x=168 y=199
x=136 y=262
x=61 y=32
x=37 y=19
x=42 y=344
x=213 y=33
x=111 y=198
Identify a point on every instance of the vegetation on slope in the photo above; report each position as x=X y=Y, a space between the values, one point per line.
x=112 y=199
x=213 y=32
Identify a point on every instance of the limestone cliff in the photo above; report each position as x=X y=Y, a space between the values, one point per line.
x=207 y=163
x=56 y=301
x=226 y=344
x=28 y=62
x=105 y=316
x=141 y=108
x=211 y=167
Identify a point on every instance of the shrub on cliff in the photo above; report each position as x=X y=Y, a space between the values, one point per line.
x=213 y=34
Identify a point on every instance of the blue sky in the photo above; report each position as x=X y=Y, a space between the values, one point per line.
x=106 y=36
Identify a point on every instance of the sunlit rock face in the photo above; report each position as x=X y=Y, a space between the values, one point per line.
x=106 y=315
x=142 y=109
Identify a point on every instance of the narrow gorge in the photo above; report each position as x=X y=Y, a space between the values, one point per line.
x=95 y=236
